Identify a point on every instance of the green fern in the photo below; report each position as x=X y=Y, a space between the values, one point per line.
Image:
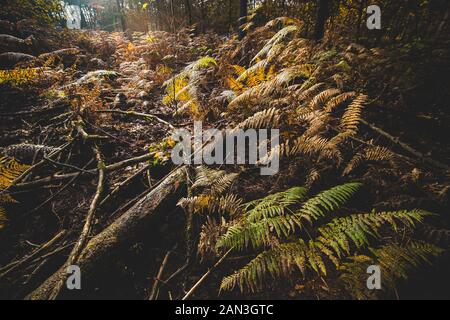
x=277 y=213
x=395 y=261
x=327 y=201
x=269 y=221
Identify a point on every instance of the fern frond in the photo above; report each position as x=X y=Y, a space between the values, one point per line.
x=333 y=243
x=222 y=183
x=274 y=204
x=283 y=79
x=305 y=95
x=267 y=87
x=310 y=146
x=320 y=99
x=352 y=115
x=229 y=204
x=3 y=218
x=358 y=229
x=275 y=262
x=282 y=21
x=254 y=74
x=369 y=154
x=210 y=232
x=276 y=39
x=268 y=118
x=327 y=201
x=6 y=198
x=182 y=87
x=312 y=177
x=395 y=261
x=217 y=181
x=10 y=169
x=317 y=121
x=338 y=100
x=258 y=234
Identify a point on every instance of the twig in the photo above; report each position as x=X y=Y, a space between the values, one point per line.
x=87 y=136
x=123 y=184
x=109 y=134
x=139 y=115
x=65 y=165
x=406 y=147
x=108 y=168
x=14 y=265
x=53 y=196
x=35 y=166
x=158 y=276
x=82 y=240
x=199 y=282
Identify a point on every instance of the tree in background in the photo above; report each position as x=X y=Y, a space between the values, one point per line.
x=243 y=17
x=120 y=7
x=323 y=13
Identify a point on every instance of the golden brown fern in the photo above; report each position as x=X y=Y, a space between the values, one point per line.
x=338 y=100
x=268 y=118
x=3 y=218
x=320 y=99
x=10 y=169
x=305 y=95
x=317 y=121
x=350 y=120
x=352 y=115
x=375 y=153
x=210 y=232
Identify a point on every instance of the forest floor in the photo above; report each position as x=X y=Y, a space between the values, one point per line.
x=101 y=100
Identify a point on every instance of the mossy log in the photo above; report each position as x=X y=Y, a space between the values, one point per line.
x=103 y=245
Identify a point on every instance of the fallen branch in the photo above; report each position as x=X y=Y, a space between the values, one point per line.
x=124 y=184
x=15 y=265
x=66 y=176
x=60 y=190
x=83 y=239
x=34 y=167
x=199 y=282
x=406 y=147
x=108 y=241
x=138 y=115
x=158 y=276
x=87 y=136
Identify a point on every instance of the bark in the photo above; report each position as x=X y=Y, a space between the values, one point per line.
x=103 y=245
x=8 y=60
x=243 y=15
x=189 y=11
x=121 y=14
x=323 y=13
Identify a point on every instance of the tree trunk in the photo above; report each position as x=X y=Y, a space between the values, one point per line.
x=243 y=17
x=189 y=11
x=121 y=15
x=323 y=13
x=109 y=240
x=360 y=17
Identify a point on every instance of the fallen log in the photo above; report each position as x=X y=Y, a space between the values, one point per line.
x=108 y=241
x=9 y=59
x=9 y=43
